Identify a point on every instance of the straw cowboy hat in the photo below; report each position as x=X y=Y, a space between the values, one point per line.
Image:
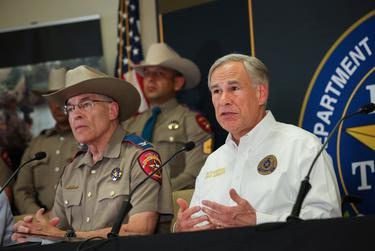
x=160 y=54
x=56 y=81
x=85 y=79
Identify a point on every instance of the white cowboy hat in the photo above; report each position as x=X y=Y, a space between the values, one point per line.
x=56 y=81
x=85 y=79
x=160 y=54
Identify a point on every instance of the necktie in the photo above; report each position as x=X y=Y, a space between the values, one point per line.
x=149 y=126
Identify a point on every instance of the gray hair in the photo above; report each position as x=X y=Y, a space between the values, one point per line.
x=255 y=69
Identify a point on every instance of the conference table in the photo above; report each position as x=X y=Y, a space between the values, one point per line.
x=353 y=233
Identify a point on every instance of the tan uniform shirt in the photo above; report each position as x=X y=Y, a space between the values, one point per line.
x=89 y=196
x=37 y=181
x=175 y=126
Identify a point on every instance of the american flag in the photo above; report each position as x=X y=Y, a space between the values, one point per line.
x=129 y=47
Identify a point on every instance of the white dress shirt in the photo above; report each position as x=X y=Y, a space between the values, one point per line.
x=270 y=187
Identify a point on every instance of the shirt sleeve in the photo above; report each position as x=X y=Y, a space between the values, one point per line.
x=6 y=221
x=24 y=189
x=146 y=197
x=323 y=199
x=58 y=209
x=196 y=199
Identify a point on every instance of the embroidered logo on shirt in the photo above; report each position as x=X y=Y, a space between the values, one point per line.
x=116 y=174
x=149 y=161
x=215 y=173
x=267 y=165
x=203 y=123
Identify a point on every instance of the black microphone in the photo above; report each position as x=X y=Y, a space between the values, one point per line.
x=370 y=107
x=189 y=146
x=351 y=199
x=127 y=206
x=37 y=156
x=305 y=184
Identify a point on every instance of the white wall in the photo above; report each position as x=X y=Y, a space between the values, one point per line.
x=16 y=13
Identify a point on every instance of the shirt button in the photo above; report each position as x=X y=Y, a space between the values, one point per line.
x=112 y=193
x=57 y=152
x=89 y=194
x=87 y=219
x=66 y=202
x=93 y=171
x=61 y=138
x=57 y=169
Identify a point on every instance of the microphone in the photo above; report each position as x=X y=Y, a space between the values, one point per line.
x=37 y=156
x=370 y=107
x=189 y=146
x=351 y=199
x=305 y=184
x=127 y=206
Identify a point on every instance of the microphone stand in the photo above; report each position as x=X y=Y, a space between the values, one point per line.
x=305 y=184
x=127 y=204
x=37 y=156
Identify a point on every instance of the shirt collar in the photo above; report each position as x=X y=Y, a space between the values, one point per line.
x=112 y=150
x=169 y=105
x=255 y=135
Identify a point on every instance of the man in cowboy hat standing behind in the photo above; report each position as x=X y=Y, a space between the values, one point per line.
x=169 y=124
x=32 y=189
x=94 y=185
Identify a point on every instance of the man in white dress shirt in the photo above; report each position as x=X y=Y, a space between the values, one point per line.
x=255 y=176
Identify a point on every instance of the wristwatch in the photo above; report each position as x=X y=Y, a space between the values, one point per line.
x=70 y=233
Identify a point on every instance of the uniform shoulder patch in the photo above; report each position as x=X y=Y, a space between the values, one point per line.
x=137 y=141
x=148 y=161
x=203 y=123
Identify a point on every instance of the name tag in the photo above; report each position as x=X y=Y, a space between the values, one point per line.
x=215 y=173
x=71 y=186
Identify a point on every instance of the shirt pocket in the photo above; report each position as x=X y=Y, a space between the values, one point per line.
x=72 y=199
x=111 y=198
x=169 y=143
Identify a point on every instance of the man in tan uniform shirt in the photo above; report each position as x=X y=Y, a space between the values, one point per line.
x=165 y=73
x=36 y=182
x=94 y=185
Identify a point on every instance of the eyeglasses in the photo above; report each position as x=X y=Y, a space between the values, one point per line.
x=86 y=106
